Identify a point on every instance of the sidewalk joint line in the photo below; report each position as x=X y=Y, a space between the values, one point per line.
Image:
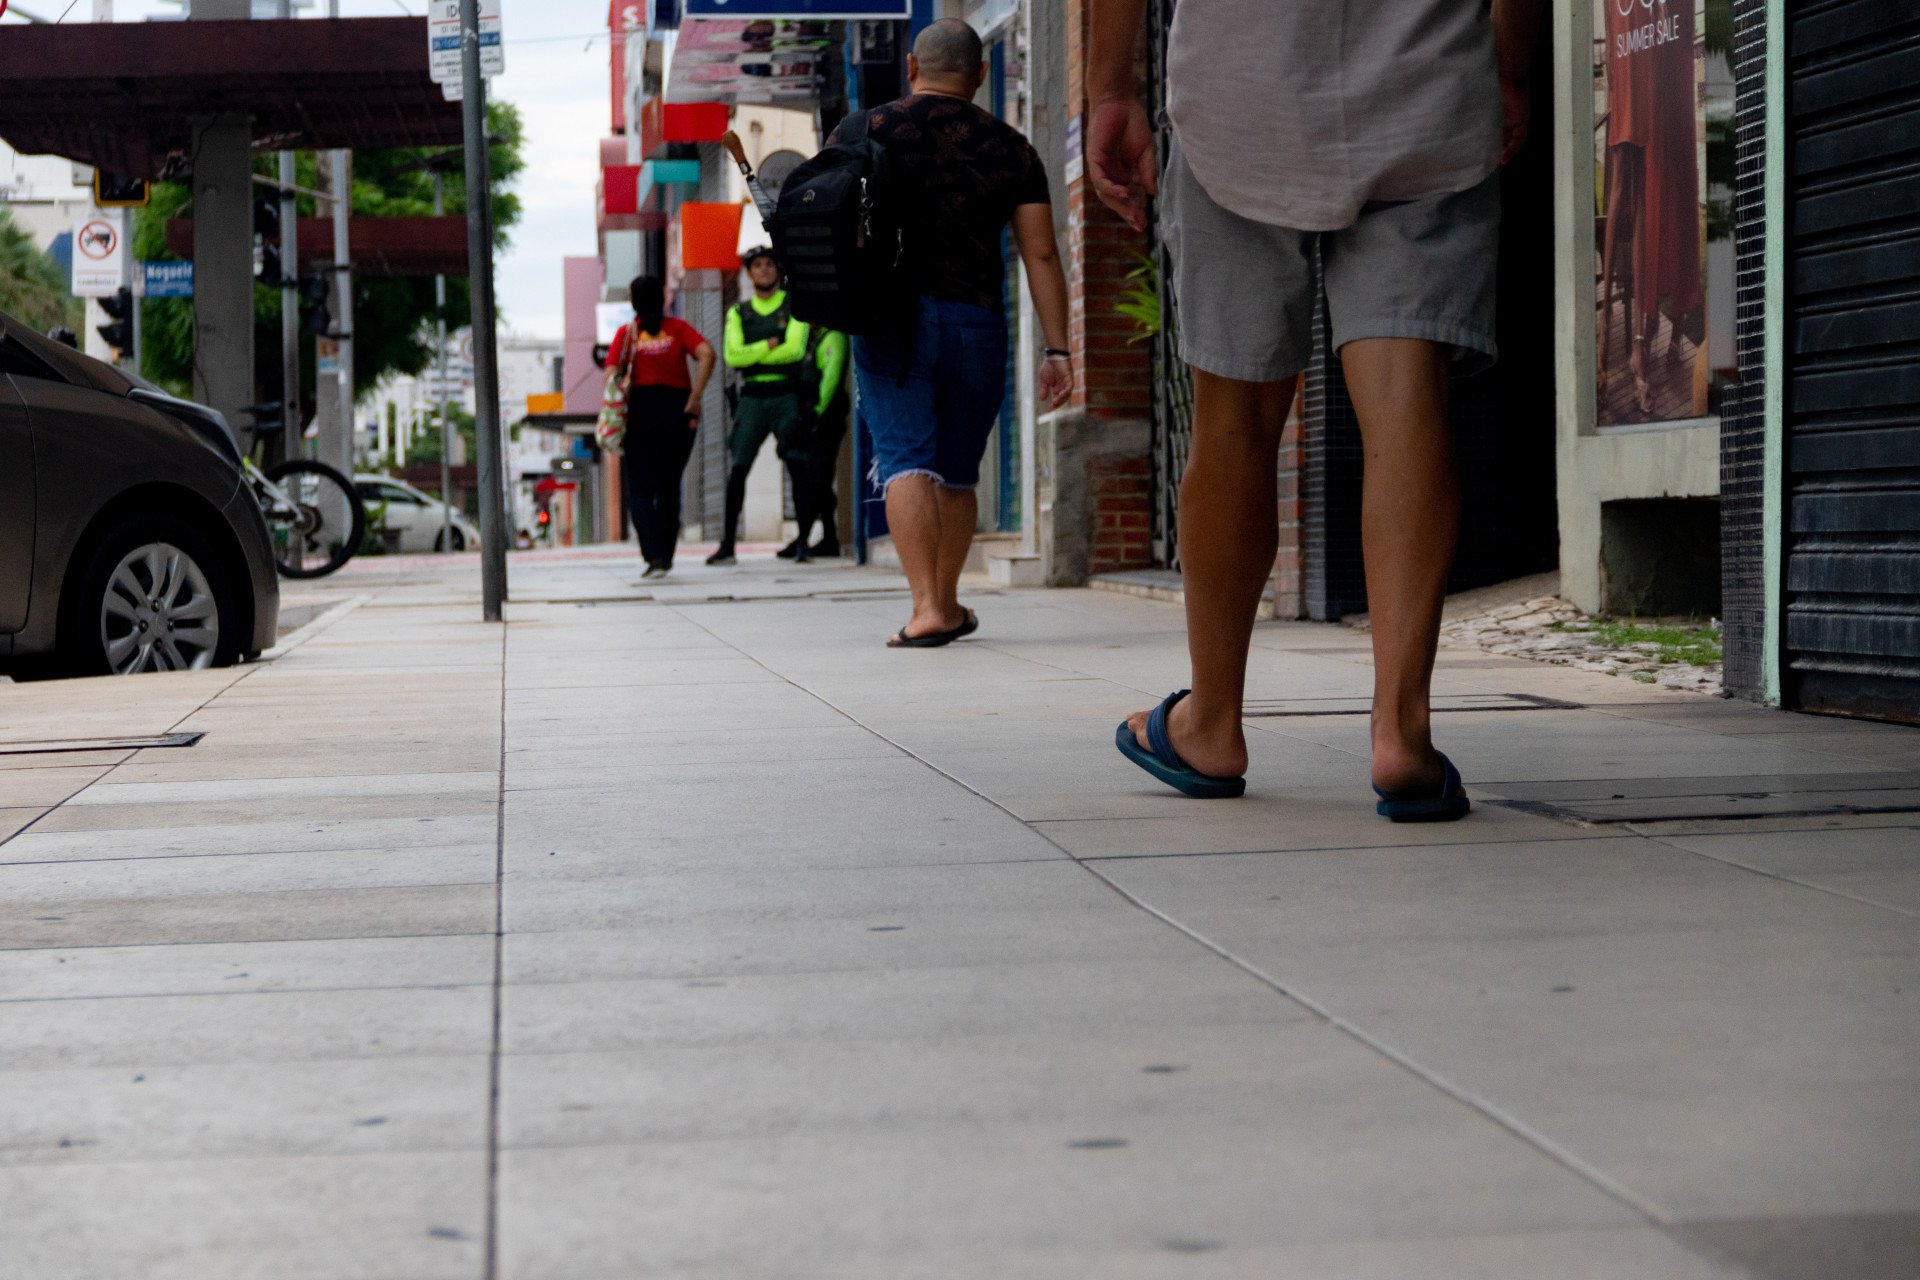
x=1651 y=1213
x=1668 y=842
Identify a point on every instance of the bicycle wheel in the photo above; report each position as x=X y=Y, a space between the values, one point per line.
x=326 y=524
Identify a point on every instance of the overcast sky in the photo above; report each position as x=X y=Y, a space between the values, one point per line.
x=557 y=75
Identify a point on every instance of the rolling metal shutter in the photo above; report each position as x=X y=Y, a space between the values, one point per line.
x=1852 y=590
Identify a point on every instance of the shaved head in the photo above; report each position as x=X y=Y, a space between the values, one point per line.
x=949 y=47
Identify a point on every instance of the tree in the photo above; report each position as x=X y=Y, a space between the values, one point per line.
x=393 y=317
x=32 y=287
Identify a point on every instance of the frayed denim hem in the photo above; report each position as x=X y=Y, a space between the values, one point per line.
x=928 y=472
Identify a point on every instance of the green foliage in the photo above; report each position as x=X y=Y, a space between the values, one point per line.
x=32 y=286
x=425 y=448
x=1141 y=302
x=1697 y=646
x=393 y=317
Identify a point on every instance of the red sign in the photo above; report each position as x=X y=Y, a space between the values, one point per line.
x=694 y=121
x=620 y=188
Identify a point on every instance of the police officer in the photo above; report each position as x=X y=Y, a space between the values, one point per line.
x=769 y=351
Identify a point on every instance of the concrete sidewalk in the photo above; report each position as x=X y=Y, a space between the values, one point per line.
x=682 y=930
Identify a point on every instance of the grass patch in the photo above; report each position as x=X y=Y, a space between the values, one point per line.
x=1695 y=645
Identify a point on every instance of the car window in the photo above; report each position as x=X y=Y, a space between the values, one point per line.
x=396 y=494
x=16 y=358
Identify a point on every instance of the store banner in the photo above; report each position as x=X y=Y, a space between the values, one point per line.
x=820 y=9
x=710 y=237
x=1663 y=150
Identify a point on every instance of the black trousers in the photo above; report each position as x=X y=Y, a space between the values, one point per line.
x=659 y=442
x=823 y=465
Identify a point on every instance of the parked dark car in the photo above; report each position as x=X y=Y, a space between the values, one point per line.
x=128 y=540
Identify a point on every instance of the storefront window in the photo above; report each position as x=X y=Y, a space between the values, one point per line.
x=1663 y=154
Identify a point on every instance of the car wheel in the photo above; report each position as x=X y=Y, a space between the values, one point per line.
x=152 y=594
x=459 y=541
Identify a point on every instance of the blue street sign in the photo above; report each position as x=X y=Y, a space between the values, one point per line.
x=799 y=8
x=168 y=279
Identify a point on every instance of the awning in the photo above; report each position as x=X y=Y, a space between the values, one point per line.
x=123 y=96
x=401 y=246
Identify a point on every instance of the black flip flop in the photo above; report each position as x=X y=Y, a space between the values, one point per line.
x=935 y=639
x=1448 y=804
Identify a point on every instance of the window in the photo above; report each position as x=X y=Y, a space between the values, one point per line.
x=15 y=358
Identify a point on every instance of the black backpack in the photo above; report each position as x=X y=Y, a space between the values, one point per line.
x=837 y=233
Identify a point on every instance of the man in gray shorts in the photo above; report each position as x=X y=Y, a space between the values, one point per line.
x=1371 y=131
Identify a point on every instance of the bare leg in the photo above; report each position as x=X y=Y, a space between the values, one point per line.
x=1229 y=532
x=914 y=520
x=959 y=514
x=1409 y=519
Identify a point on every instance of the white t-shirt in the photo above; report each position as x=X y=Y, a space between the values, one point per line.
x=1298 y=112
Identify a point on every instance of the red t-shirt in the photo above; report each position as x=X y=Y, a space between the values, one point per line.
x=661 y=358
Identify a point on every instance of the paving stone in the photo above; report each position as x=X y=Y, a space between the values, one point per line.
x=959 y=1001
x=56 y=973
x=153 y=1031
x=339 y=1107
x=247 y=917
x=373 y=1217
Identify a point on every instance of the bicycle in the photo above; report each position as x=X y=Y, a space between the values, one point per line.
x=314 y=514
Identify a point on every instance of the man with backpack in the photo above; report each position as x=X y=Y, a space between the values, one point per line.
x=894 y=234
x=1364 y=139
x=769 y=350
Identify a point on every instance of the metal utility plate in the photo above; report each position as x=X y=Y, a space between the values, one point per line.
x=1616 y=800
x=1360 y=706
x=48 y=746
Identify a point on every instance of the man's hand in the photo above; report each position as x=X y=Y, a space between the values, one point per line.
x=1516 y=110
x=1056 y=380
x=773 y=344
x=1120 y=156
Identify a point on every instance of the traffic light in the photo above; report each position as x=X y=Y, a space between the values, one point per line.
x=266 y=239
x=116 y=191
x=118 y=331
x=315 y=314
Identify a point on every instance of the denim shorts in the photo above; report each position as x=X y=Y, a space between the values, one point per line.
x=930 y=404
x=1405 y=269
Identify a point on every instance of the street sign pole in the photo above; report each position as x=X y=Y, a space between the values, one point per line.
x=486 y=374
x=289 y=297
x=440 y=400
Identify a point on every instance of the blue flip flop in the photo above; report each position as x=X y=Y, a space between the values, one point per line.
x=1449 y=804
x=1164 y=763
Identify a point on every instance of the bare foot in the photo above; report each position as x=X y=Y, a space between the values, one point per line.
x=1218 y=750
x=1400 y=767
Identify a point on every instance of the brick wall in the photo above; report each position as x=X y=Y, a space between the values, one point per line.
x=1115 y=381
x=1122 y=499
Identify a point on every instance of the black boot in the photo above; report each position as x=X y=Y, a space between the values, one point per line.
x=828 y=548
x=793 y=549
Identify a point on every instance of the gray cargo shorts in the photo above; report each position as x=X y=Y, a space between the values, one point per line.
x=1406 y=269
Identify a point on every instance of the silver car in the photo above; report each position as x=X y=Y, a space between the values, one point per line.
x=128 y=541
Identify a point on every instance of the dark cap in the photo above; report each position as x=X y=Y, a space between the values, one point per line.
x=758 y=251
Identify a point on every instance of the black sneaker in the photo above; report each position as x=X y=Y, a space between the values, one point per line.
x=824 y=550
x=723 y=556
x=792 y=550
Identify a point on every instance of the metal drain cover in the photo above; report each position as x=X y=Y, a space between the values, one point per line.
x=49 y=746
x=1360 y=706
x=1616 y=800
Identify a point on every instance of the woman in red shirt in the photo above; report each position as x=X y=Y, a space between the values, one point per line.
x=663 y=413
